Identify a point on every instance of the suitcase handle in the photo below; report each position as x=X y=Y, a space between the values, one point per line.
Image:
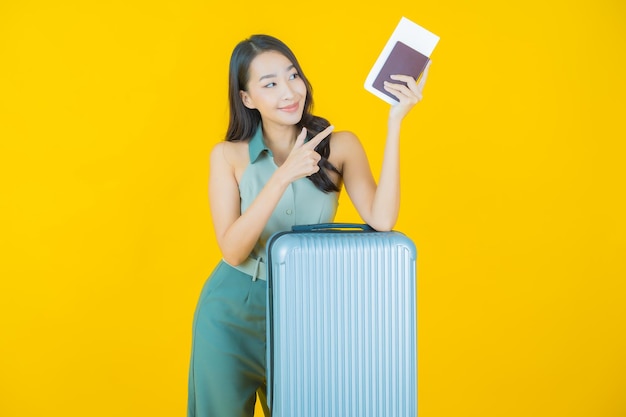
x=332 y=226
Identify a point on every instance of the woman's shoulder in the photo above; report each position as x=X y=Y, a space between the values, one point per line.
x=344 y=145
x=234 y=154
x=343 y=137
x=344 y=142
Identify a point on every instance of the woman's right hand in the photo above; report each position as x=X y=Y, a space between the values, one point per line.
x=303 y=159
x=237 y=232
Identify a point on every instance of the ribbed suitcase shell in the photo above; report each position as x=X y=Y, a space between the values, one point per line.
x=342 y=324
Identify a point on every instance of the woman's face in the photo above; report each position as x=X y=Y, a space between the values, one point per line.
x=275 y=89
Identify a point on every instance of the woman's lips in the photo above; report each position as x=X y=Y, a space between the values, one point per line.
x=291 y=108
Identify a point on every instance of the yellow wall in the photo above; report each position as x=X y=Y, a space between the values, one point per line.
x=513 y=190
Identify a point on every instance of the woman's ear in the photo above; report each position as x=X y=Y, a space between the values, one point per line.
x=246 y=100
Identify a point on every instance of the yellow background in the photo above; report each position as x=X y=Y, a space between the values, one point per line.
x=513 y=190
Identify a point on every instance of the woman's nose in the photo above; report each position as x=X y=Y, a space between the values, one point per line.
x=288 y=91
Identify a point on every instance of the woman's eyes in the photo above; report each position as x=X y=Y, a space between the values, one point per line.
x=291 y=77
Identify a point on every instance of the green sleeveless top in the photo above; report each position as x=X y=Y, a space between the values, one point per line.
x=302 y=202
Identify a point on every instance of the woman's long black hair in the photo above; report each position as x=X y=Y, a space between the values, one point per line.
x=243 y=122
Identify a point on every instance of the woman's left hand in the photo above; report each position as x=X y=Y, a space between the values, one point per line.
x=408 y=95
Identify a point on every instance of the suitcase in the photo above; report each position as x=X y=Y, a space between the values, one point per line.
x=341 y=327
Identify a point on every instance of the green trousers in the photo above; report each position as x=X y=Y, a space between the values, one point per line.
x=227 y=366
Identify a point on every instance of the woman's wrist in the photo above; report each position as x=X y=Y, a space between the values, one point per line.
x=280 y=178
x=393 y=125
x=394 y=120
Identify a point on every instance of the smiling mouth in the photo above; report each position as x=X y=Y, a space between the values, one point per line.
x=291 y=108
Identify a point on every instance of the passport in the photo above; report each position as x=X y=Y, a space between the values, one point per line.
x=401 y=60
x=406 y=52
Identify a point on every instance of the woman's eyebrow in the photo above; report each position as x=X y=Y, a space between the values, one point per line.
x=289 y=68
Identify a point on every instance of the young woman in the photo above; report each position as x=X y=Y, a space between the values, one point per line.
x=278 y=167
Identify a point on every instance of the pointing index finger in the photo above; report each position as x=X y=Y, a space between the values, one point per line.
x=312 y=144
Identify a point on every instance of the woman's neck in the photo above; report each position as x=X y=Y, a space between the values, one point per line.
x=279 y=139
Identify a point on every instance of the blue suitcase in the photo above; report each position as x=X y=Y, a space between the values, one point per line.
x=341 y=326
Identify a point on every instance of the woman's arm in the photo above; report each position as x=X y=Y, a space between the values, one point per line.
x=237 y=233
x=379 y=205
